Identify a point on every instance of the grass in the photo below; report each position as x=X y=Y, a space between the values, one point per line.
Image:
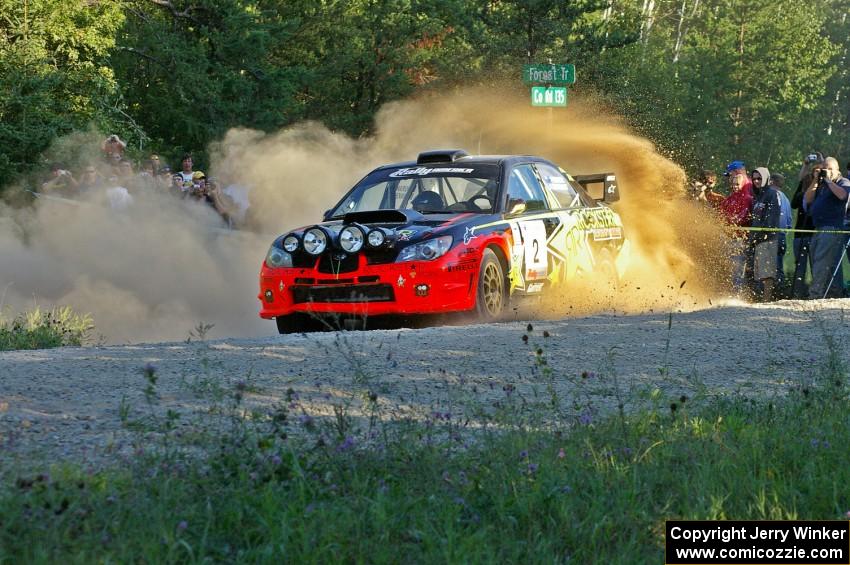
x=275 y=487
x=42 y=329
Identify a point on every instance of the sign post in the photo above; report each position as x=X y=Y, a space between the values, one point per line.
x=549 y=83
x=549 y=96
x=549 y=74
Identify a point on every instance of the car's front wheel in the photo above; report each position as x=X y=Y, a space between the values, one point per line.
x=491 y=296
x=297 y=323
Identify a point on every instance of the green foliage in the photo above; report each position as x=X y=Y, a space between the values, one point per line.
x=707 y=80
x=728 y=79
x=39 y=329
x=54 y=77
x=245 y=488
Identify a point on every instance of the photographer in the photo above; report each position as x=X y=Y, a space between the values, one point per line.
x=112 y=146
x=702 y=190
x=803 y=239
x=61 y=180
x=825 y=199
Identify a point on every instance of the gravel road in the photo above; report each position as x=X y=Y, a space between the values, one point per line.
x=68 y=403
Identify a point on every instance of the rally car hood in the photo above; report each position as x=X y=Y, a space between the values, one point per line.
x=409 y=225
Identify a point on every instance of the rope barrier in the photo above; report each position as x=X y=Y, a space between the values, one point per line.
x=786 y=230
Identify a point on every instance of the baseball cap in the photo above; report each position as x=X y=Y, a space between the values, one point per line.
x=198 y=175
x=734 y=166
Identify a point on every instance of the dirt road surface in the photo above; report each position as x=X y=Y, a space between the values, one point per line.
x=74 y=403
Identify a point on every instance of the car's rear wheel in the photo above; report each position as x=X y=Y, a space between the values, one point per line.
x=607 y=267
x=491 y=296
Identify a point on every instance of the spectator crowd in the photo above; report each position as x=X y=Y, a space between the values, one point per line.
x=120 y=181
x=760 y=217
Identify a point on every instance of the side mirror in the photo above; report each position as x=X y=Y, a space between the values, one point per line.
x=326 y=215
x=516 y=206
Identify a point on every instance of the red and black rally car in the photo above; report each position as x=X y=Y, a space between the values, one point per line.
x=449 y=232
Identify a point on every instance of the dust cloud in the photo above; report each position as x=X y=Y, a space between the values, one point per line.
x=158 y=268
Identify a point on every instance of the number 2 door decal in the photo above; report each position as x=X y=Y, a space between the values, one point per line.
x=534 y=243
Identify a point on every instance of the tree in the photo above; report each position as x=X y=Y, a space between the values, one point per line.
x=193 y=69
x=722 y=79
x=54 y=76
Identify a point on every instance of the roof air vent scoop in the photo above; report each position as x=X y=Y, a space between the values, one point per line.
x=440 y=156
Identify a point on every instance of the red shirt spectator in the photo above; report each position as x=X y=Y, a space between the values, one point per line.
x=736 y=207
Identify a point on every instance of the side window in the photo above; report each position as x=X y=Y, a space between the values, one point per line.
x=523 y=187
x=557 y=182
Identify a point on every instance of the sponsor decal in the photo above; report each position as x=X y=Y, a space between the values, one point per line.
x=422 y=171
x=532 y=274
x=468 y=235
x=463 y=266
x=604 y=234
x=404 y=235
x=280 y=286
x=400 y=281
x=534 y=287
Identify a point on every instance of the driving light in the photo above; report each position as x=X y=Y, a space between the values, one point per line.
x=290 y=243
x=315 y=241
x=277 y=258
x=351 y=239
x=427 y=250
x=376 y=238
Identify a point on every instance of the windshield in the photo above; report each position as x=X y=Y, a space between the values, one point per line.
x=441 y=189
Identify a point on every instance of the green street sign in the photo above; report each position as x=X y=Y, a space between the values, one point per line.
x=549 y=74
x=549 y=96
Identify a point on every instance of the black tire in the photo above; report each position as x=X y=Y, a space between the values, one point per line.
x=607 y=267
x=298 y=323
x=491 y=295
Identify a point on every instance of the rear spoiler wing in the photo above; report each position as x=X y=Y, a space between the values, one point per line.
x=602 y=187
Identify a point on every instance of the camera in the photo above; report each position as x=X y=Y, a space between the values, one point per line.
x=821 y=174
x=811 y=158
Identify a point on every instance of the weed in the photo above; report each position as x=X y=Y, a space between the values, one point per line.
x=199 y=332
x=41 y=329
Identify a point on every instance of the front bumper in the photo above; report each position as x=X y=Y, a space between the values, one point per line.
x=446 y=284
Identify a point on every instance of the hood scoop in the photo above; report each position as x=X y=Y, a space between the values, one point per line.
x=383 y=217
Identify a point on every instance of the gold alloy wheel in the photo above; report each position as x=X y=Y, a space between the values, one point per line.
x=493 y=287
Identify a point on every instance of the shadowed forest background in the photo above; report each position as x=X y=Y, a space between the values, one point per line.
x=706 y=80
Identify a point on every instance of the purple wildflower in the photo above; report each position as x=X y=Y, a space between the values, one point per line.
x=566 y=489
x=276 y=460
x=346 y=445
x=149 y=368
x=305 y=420
x=561 y=453
x=523 y=454
x=585 y=418
x=182 y=525
x=532 y=468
